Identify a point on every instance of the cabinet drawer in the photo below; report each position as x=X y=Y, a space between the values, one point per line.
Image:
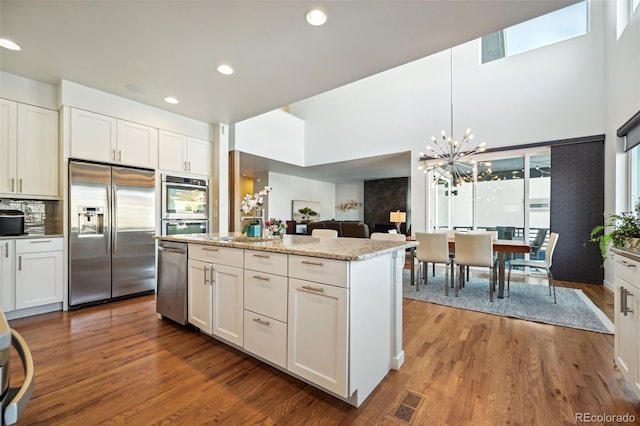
x=215 y=254
x=327 y=271
x=37 y=245
x=628 y=270
x=266 y=294
x=266 y=338
x=272 y=263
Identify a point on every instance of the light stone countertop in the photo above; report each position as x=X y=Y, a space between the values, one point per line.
x=303 y=245
x=630 y=253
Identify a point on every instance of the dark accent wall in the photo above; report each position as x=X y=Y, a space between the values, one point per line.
x=383 y=196
x=577 y=205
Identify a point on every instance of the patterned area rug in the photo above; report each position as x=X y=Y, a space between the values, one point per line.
x=527 y=301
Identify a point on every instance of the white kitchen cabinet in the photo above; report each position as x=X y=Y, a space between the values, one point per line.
x=318 y=347
x=216 y=291
x=200 y=292
x=7 y=275
x=265 y=305
x=106 y=139
x=228 y=294
x=38 y=272
x=627 y=319
x=28 y=150
x=181 y=153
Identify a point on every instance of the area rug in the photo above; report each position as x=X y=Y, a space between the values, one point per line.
x=529 y=302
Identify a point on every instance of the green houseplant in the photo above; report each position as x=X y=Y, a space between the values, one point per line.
x=621 y=230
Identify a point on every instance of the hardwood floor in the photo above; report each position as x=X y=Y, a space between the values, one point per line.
x=119 y=364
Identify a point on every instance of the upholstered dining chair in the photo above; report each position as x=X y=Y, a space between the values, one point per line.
x=480 y=231
x=475 y=249
x=433 y=247
x=324 y=233
x=540 y=264
x=388 y=237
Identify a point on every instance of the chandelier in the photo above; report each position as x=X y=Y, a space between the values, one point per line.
x=450 y=159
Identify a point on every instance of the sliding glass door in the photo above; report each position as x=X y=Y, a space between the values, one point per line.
x=509 y=192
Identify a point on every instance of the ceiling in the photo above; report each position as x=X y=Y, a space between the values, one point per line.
x=147 y=50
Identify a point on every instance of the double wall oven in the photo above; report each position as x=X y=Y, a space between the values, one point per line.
x=184 y=205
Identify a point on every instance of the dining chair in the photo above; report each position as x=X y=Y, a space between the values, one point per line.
x=540 y=264
x=538 y=242
x=480 y=231
x=388 y=237
x=433 y=247
x=475 y=249
x=324 y=233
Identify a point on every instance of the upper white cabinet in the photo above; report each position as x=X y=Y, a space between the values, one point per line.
x=28 y=150
x=181 y=153
x=101 y=138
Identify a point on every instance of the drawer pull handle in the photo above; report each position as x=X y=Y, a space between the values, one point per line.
x=258 y=277
x=209 y=249
x=263 y=256
x=40 y=241
x=261 y=321
x=627 y=264
x=309 y=262
x=318 y=289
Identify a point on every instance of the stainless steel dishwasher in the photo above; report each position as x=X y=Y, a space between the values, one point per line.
x=171 y=297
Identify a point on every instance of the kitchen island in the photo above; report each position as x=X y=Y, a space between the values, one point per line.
x=325 y=310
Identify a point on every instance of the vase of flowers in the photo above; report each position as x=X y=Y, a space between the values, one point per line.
x=250 y=206
x=276 y=227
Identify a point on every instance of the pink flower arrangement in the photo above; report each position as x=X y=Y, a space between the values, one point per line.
x=275 y=226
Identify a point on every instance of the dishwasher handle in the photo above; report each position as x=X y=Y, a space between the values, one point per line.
x=172 y=250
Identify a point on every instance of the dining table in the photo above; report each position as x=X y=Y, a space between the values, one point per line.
x=501 y=247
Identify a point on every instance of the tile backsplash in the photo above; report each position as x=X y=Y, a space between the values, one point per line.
x=40 y=216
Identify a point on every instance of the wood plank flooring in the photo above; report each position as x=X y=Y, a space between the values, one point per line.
x=119 y=364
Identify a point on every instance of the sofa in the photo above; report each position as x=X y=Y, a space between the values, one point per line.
x=345 y=228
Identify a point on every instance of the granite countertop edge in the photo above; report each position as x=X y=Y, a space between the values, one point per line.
x=628 y=252
x=334 y=248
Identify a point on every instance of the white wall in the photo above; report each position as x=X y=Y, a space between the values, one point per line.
x=554 y=92
x=622 y=69
x=20 y=89
x=350 y=192
x=276 y=134
x=287 y=188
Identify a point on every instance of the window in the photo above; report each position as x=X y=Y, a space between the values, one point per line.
x=563 y=24
x=510 y=193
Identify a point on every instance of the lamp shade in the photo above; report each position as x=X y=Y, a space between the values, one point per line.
x=397 y=217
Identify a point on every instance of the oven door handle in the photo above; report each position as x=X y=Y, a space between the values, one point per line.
x=19 y=397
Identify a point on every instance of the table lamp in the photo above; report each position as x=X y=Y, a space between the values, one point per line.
x=398 y=217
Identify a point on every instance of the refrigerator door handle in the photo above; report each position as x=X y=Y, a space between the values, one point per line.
x=22 y=394
x=114 y=220
x=107 y=231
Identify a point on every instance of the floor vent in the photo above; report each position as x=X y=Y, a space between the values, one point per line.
x=409 y=404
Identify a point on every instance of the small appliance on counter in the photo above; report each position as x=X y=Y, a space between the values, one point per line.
x=14 y=400
x=11 y=222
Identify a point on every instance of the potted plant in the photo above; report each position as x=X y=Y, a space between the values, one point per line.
x=621 y=230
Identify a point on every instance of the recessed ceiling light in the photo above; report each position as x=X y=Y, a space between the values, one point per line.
x=225 y=69
x=316 y=17
x=8 y=44
x=170 y=100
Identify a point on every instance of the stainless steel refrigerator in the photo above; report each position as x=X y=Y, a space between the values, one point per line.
x=112 y=223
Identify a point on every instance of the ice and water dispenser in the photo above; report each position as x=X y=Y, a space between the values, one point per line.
x=90 y=221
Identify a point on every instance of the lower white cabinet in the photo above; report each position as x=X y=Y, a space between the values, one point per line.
x=627 y=319
x=7 y=275
x=216 y=291
x=38 y=272
x=266 y=337
x=200 y=291
x=228 y=292
x=318 y=337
